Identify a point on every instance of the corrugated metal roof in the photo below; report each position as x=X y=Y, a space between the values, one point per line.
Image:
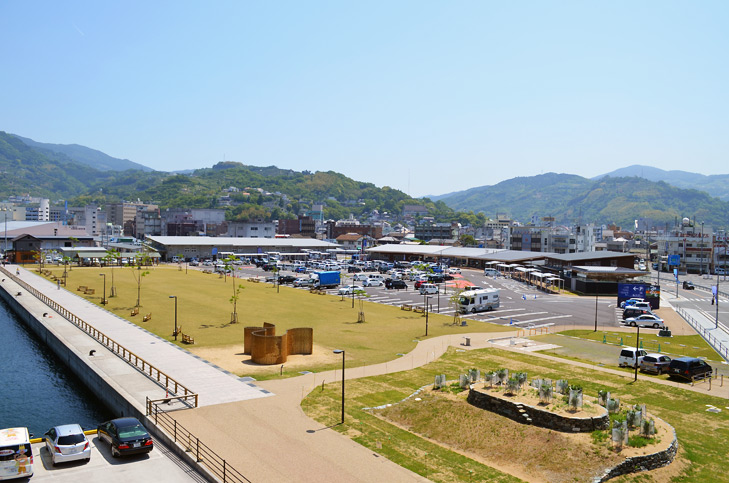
x=240 y=242
x=570 y=257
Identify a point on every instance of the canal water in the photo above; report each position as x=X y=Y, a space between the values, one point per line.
x=36 y=390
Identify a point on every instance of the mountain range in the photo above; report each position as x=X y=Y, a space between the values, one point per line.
x=83 y=175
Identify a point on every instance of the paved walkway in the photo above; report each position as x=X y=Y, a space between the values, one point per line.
x=704 y=323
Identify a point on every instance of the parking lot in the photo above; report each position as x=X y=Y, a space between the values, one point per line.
x=160 y=465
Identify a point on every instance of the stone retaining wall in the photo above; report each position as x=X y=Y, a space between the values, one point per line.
x=524 y=413
x=645 y=462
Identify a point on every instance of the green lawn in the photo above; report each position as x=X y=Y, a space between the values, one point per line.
x=693 y=345
x=703 y=436
x=204 y=312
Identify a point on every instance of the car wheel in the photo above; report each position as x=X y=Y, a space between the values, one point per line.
x=473 y=310
x=53 y=461
x=114 y=452
x=655 y=326
x=633 y=324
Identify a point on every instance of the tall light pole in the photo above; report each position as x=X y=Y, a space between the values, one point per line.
x=427 y=299
x=175 y=297
x=341 y=351
x=103 y=296
x=596 y=293
x=637 y=347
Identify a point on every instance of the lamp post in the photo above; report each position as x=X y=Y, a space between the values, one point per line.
x=341 y=351
x=103 y=296
x=596 y=293
x=175 y=297
x=637 y=347
x=427 y=299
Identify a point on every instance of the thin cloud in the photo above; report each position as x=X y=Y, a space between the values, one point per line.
x=78 y=29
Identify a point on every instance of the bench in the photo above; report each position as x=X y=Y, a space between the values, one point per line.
x=147 y=317
x=90 y=291
x=177 y=332
x=187 y=339
x=406 y=307
x=82 y=288
x=135 y=311
x=419 y=310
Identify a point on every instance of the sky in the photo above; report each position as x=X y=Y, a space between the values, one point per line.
x=428 y=97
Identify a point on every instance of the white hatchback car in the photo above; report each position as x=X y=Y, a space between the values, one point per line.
x=67 y=443
x=645 y=320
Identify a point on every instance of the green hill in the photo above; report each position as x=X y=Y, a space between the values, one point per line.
x=571 y=198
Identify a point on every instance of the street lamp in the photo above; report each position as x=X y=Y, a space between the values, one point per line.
x=427 y=299
x=637 y=347
x=103 y=297
x=596 y=293
x=175 y=297
x=341 y=351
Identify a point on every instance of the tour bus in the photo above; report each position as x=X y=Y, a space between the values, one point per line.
x=16 y=457
x=478 y=300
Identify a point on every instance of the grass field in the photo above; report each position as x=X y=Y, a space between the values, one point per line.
x=205 y=307
x=703 y=436
x=679 y=345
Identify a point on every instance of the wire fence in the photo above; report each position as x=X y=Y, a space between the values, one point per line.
x=705 y=333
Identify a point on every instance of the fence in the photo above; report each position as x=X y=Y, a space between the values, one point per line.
x=130 y=357
x=705 y=333
x=192 y=444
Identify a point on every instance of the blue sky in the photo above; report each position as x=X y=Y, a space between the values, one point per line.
x=425 y=97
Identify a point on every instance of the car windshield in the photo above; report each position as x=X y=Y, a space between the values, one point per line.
x=71 y=439
x=132 y=431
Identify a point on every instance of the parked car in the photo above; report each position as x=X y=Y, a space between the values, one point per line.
x=657 y=363
x=688 y=285
x=630 y=302
x=428 y=289
x=373 y=282
x=349 y=289
x=353 y=269
x=303 y=282
x=67 y=443
x=395 y=284
x=126 y=436
x=645 y=320
x=634 y=312
x=689 y=368
x=454 y=270
x=630 y=357
x=286 y=279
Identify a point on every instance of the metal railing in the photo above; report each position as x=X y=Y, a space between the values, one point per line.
x=192 y=444
x=161 y=378
x=705 y=333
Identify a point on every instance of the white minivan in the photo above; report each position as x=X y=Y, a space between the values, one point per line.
x=628 y=357
x=428 y=289
x=16 y=455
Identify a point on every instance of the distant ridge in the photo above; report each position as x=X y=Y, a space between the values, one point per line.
x=65 y=153
x=716 y=185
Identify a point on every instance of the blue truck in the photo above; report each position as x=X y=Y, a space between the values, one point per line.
x=326 y=279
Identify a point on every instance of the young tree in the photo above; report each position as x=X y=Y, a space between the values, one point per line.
x=138 y=274
x=234 y=301
x=111 y=258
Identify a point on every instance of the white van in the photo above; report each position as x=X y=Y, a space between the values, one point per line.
x=628 y=357
x=16 y=455
x=428 y=289
x=491 y=272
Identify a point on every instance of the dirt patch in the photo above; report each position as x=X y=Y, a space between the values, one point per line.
x=231 y=358
x=527 y=452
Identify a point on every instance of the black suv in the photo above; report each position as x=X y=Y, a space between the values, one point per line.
x=688 y=285
x=395 y=284
x=689 y=368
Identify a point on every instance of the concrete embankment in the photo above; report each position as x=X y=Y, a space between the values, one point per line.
x=119 y=386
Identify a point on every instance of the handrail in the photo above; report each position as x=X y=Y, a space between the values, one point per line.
x=156 y=375
x=192 y=444
x=704 y=332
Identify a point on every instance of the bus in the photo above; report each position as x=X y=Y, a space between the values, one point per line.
x=16 y=456
x=472 y=301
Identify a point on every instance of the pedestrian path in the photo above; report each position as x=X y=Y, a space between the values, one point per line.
x=213 y=384
x=715 y=332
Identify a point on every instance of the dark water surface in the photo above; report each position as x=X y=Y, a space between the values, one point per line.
x=36 y=389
